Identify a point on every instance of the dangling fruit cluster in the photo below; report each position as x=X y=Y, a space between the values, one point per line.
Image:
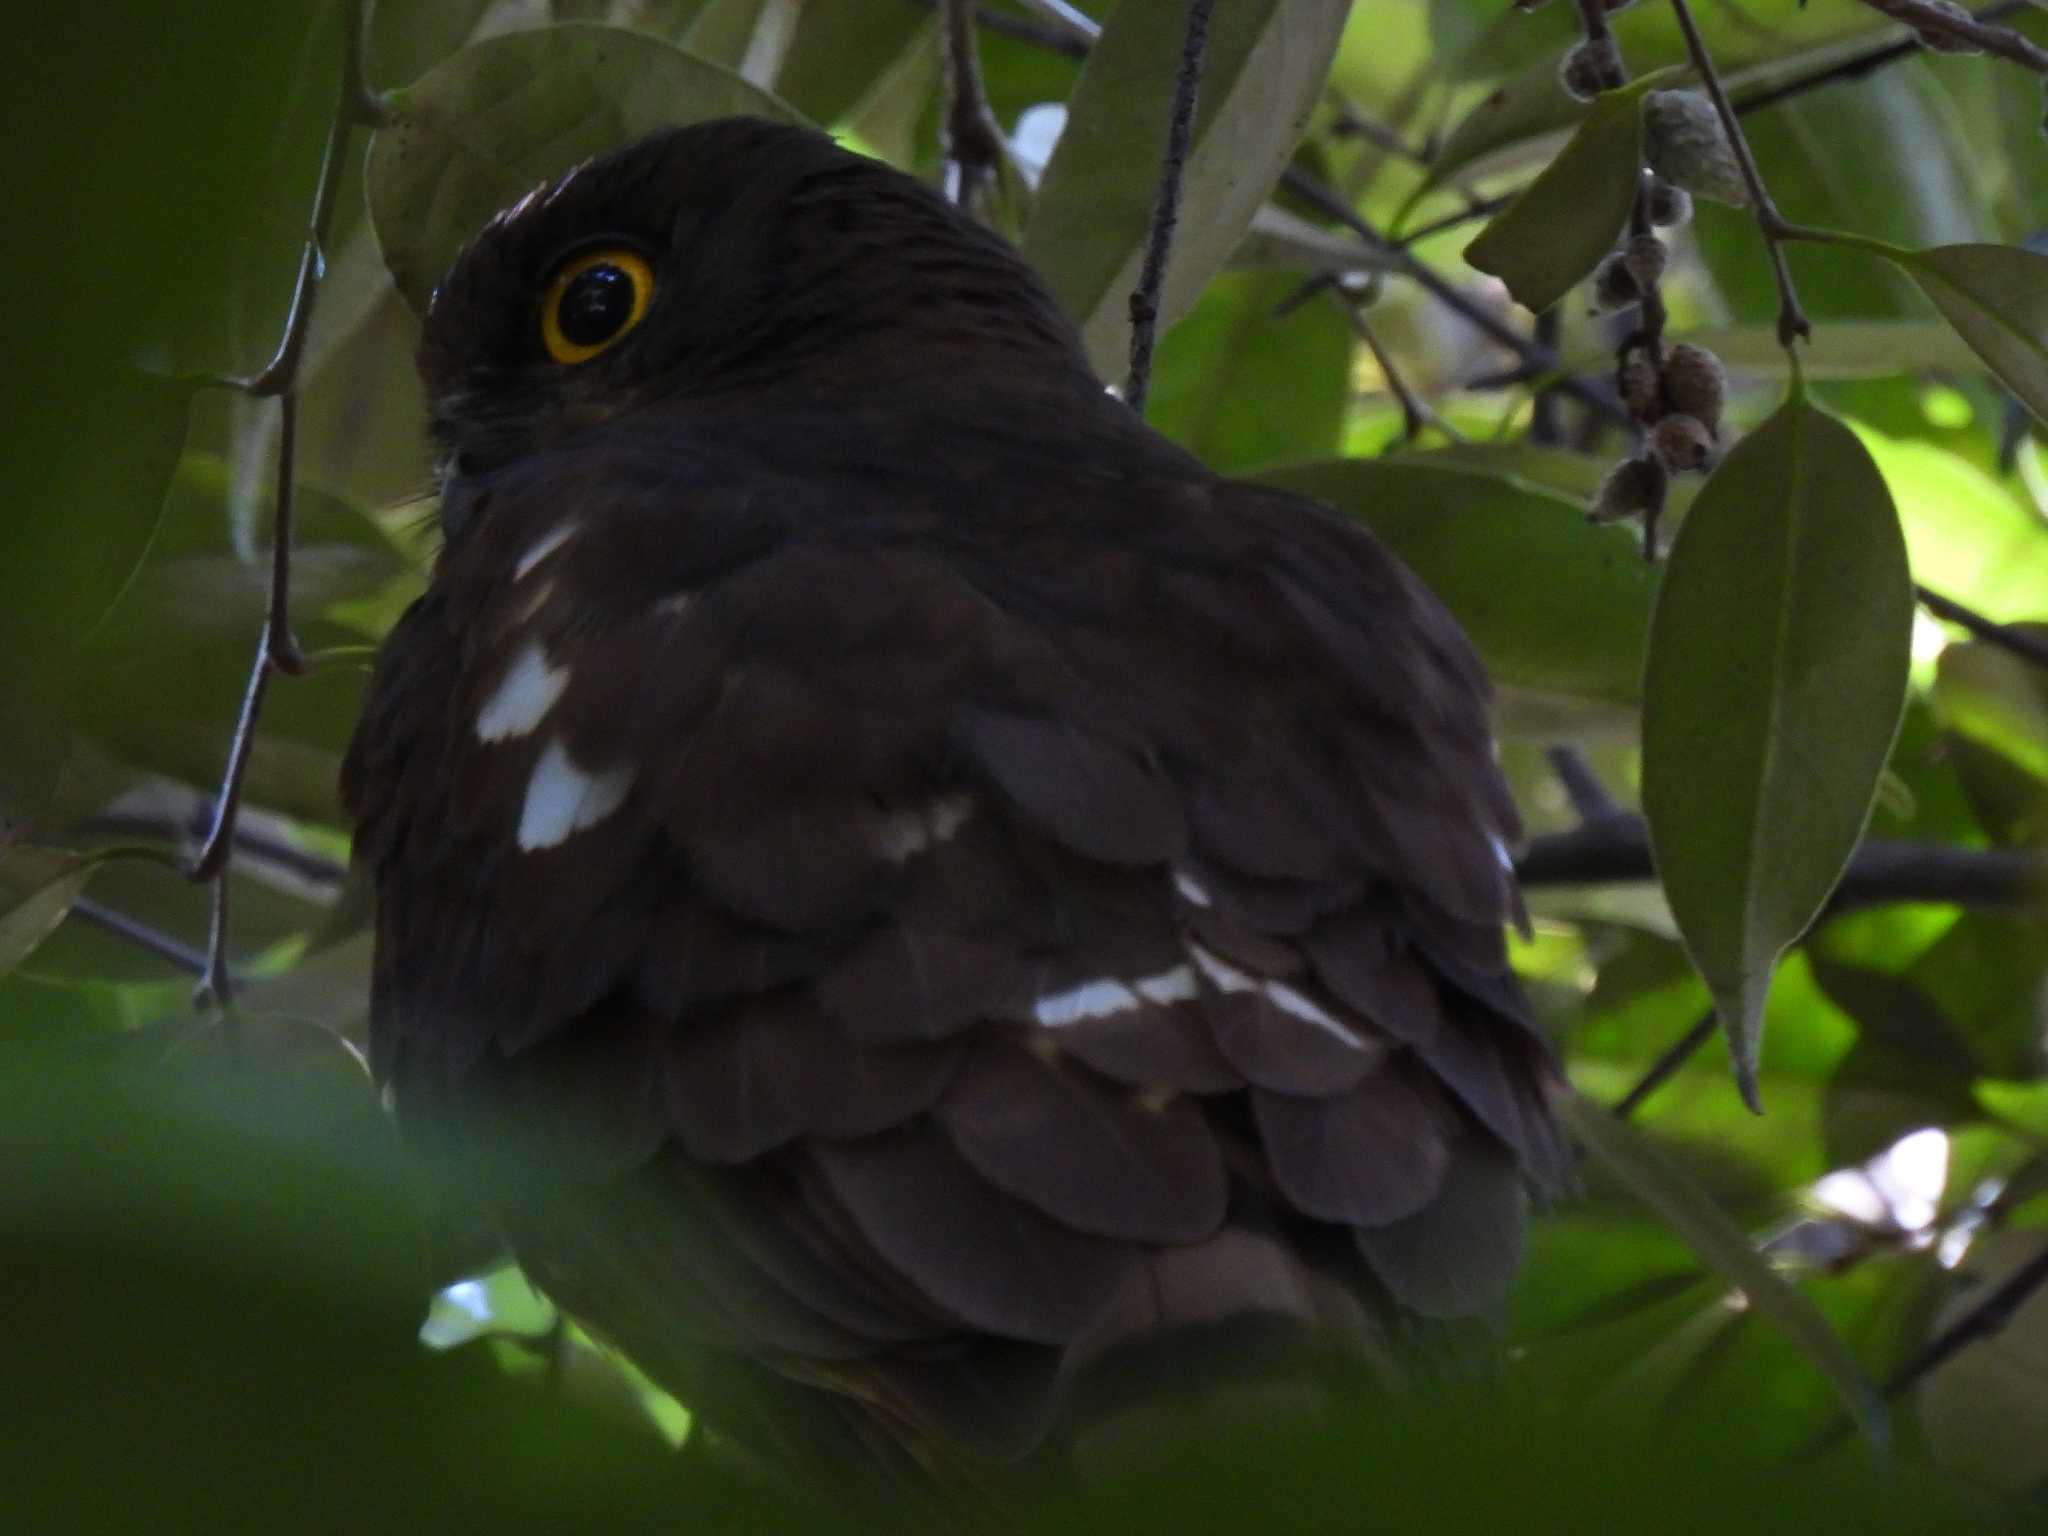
x=1680 y=402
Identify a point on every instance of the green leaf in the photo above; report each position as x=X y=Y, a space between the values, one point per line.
x=1643 y=1170
x=1556 y=608
x=1265 y=62
x=1569 y=217
x=37 y=888
x=1840 y=349
x=1996 y=296
x=487 y=125
x=842 y=48
x=1238 y=386
x=1774 y=684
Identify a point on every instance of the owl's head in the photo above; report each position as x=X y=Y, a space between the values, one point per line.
x=709 y=261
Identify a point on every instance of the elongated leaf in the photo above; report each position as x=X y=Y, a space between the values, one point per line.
x=1996 y=297
x=1569 y=217
x=37 y=887
x=1554 y=606
x=1773 y=688
x=1689 y=1212
x=482 y=128
x=1265 y=62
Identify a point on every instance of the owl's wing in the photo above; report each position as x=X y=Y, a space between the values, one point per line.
x=935 y=953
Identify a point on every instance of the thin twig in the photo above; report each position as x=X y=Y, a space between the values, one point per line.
x=2027 y=644
x=1856 y=66
x=1666 y=1066
x=1472 y=212
x=125 y=928
x=1981 y=1321
x=1615 y=850
x=1180 y=131
x=1414 y=414
x=972 y=142
x=1933 y=20
x=1792 y=321
x=276 y=650
x=1546 y=429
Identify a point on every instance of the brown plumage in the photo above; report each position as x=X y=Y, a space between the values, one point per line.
x=909 y=892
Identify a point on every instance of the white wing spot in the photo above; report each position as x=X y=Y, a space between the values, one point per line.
x=1228 y=978
x=902 y=835
x=541 y=548
x=675 y=607
x=1090 y=1000
x=1174 y=986
x=561 y=798
x=524 y=698
x=1191 y=890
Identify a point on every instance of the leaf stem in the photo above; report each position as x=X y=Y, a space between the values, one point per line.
x=972 y=142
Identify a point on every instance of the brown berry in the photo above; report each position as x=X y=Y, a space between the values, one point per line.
x=1645 y=257
x=1667 y=206
x=1684 y=144
x=1682 y=442
x=1590 y=68
x=1639 y=387
x=1695 y=385
x=1632 y=488
x=1614 y=286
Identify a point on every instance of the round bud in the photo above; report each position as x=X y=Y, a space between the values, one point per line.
x=1639 y=387
x=1590 y=68
x=1684 y=144
x=1614 y=286
x=1682 y=442
x=1667 y=206
x=1645 y=257
x=1631 y=488
x=1695 y=385
x=1937 y=41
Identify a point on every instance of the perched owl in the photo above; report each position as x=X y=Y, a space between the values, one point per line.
x=926 y=913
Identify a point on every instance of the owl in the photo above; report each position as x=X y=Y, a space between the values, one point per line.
x=931 y=920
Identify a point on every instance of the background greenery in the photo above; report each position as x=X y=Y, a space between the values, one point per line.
x=214 y=1266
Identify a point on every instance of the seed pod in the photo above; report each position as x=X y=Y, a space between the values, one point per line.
x=1695 y=385
x=1682 y=442
x=1632 y=488
x=1590 y=68
x=1668 y=206
x=1684 y=144
x=1639 y=387
x=1936 y=41
x=1614 y=286
x=1645 y=257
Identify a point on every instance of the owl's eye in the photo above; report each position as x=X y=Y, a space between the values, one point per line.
x=593 y=300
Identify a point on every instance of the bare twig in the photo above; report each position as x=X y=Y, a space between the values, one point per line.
x=1472 y=212
x=1173 y=164
x=1934 y=21
x=125 y=928
x=1545 y=426
x=1984 y=1319
x=2027 y=644
x=1615 y=850
x=1589 y=798
x=1666 y=1066
x=1854 y=67
x=972 y=142
x=276 y=650
x=1792 y=321
x=1415 y=415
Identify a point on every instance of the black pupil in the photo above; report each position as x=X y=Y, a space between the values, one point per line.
x=596 y=303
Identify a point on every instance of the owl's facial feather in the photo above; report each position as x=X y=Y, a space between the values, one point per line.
x=774 y=260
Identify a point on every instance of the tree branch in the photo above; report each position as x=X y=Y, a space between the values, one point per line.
x=1931 y=21
x=1666 y=1066
x=1856 y=66
x=1615 y=850
x=276 y=650
x=972 y=142
x=2026 y=644
x=141 y=935
x=1180 y=131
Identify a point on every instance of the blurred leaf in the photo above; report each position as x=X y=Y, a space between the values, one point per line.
x=1988 y=975
x=1996 y=703
x=1727 y=1250
x=37 y=887
x=1568 y=218
x=1840 y=349
x=1554 y=606
x=483 y=128
x=1773 y=689
x=1265 y=62
x=1983 y=1410
x=1997 y=299
x=841 y=50
x=1238 y=386
x=1969 y=537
